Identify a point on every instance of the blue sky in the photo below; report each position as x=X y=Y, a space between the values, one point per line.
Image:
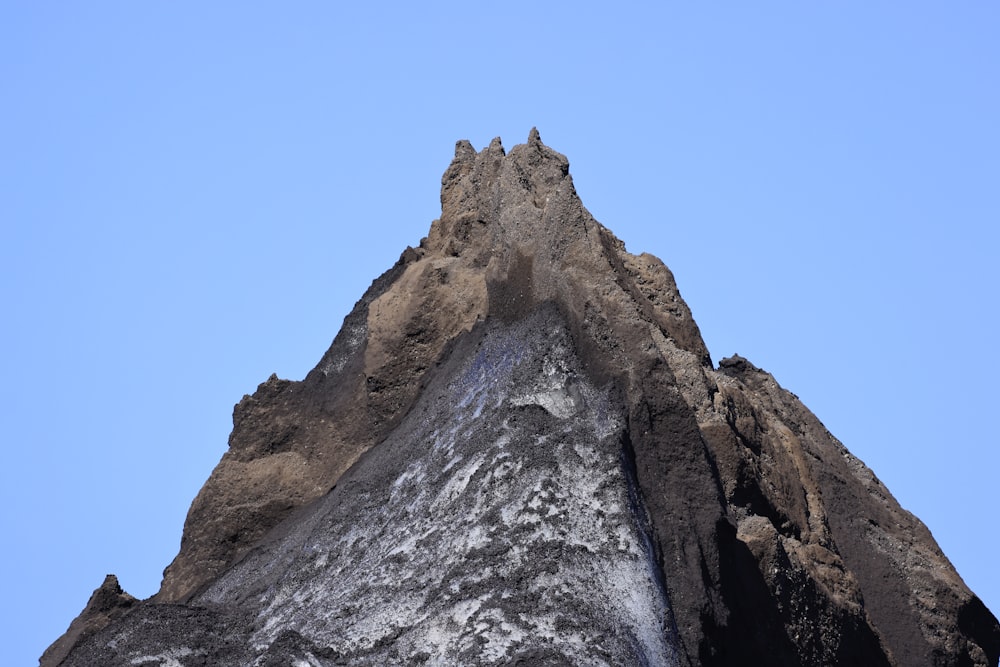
x=193 y=195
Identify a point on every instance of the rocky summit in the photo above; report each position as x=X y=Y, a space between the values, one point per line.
x=517 y=451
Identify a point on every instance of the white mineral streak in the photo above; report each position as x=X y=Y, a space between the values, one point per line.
x=169 y=658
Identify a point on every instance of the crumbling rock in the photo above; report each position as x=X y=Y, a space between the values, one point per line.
x=517 y=451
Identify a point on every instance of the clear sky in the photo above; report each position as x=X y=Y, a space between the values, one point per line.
x=193 y=195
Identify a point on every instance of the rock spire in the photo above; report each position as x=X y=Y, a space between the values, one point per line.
x=518 y=451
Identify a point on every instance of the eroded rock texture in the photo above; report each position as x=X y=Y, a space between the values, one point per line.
x=518 y=451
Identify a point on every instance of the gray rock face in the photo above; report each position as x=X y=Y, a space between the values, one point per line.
x=517 y=451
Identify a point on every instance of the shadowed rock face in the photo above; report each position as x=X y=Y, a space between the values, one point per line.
x=517 y=451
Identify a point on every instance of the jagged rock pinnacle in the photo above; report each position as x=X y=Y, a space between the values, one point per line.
x=512 y=234
x=108 y=603
x=518 y=446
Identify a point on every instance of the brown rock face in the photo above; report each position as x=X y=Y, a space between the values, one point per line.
x=770 y=543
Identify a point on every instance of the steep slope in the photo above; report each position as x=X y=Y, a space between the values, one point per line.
x=517 y=449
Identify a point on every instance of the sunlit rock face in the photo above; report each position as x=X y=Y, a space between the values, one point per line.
x=518 y=451
x=499 y=522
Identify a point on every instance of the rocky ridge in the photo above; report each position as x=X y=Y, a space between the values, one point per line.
x=509 y=385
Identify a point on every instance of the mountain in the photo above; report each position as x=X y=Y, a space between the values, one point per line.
x=517 y=451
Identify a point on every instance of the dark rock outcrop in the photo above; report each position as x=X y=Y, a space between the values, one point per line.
x=107 y=603
x=517 y=451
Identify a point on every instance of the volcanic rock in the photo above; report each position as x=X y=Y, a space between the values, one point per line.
x=517 y=451
x=107 y=603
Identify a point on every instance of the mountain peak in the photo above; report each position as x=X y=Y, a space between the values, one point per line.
x=518 y=216
x=517 y=451
x=480 y=186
